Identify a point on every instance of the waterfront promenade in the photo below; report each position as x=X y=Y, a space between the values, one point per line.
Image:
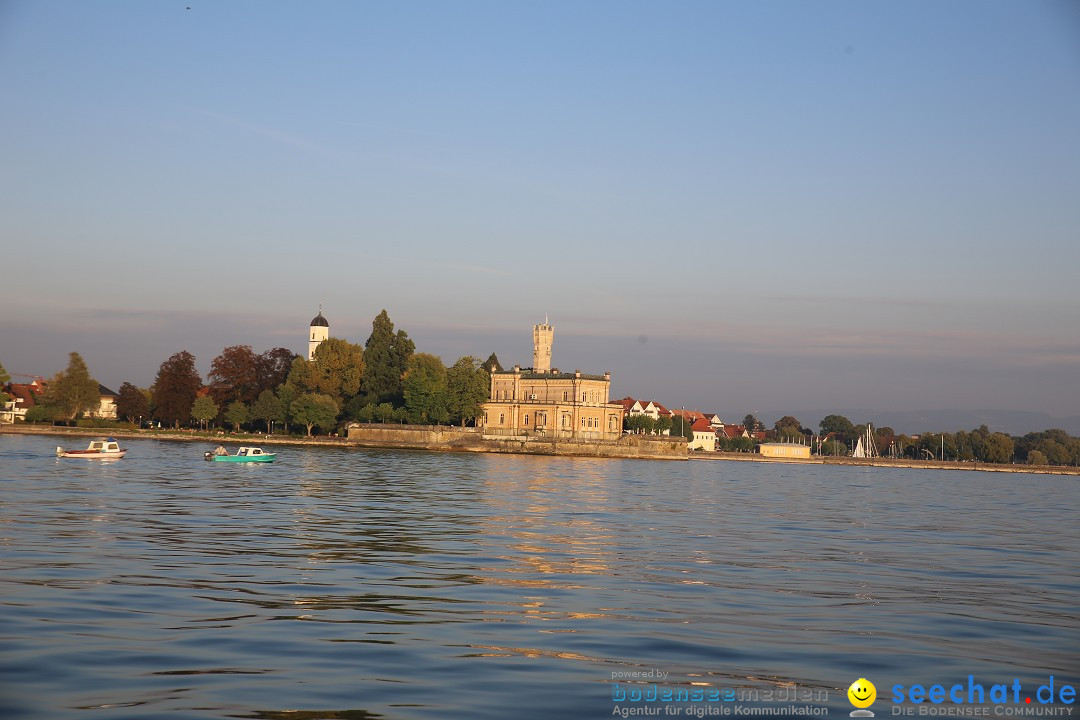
x=564 y=449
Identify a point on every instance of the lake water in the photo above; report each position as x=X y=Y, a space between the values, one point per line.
x=343 y=583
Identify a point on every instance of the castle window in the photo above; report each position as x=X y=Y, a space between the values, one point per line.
x=526 y=419
x=502 y=418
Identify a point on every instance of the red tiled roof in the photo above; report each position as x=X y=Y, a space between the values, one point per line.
x=734 y=431
x=25 y=395
x=701 y=425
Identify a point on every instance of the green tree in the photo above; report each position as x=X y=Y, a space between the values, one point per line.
x=492 y=364
x=132 y=403
x=336 y=370
x=663 y=424
x=425 y=389
x=315 y=410
x=1034 y=457
x=752 y=424
x=742 y=444
x=787 y=428
x=175 y=387
x=384 y=412
x=680 y=426
x=286 y=395
x=50 y=414
x=941 y=446
x=837 y=424
x=387 y=354
x=204 y=409
x=73 y=391
x=1055 y=452
x=267 y=408
x=237 y=414
x=640 y=424
x=999 y=448
x=365 y=414
x=833 y=447
x=468 y=385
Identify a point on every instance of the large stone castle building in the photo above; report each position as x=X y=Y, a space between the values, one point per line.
x=543 y=401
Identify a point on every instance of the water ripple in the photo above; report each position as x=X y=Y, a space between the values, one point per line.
x=371 y=584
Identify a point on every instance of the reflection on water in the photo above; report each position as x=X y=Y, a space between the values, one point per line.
x=365 y=584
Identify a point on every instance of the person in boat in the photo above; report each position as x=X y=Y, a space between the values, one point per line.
x=220 y=450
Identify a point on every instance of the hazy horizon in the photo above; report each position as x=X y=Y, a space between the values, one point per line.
x=734 y=207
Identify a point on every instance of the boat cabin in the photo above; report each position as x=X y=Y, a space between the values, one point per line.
x=249 y=451
x=109 y=445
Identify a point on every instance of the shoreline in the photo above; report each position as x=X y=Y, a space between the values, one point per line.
x=341 y=442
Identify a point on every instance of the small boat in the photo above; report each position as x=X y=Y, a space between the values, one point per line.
x=244 y=454
x=102 y=449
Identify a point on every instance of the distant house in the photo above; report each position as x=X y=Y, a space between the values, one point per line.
x=690 y=416
x=106 y=409
x=646 y=408
x=704 y=436
x=23 y=397
x=734 y=431
x=784 y=450
x=651 y=408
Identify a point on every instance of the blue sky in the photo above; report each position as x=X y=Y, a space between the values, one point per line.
x=733 y=206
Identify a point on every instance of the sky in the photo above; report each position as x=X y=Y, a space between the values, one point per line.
x=733 y=206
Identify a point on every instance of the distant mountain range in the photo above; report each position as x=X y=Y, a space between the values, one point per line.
x=1012 y=422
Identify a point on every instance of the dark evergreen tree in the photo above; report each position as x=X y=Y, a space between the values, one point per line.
x=386 y=355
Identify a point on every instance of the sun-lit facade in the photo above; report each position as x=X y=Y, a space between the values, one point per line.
x=546 y=402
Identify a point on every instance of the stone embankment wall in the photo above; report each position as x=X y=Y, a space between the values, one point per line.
x=429 y=437
x=441 y=437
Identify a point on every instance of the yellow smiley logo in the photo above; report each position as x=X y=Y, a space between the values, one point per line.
x=862 y=693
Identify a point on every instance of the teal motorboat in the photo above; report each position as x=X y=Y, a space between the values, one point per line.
x=244 y=454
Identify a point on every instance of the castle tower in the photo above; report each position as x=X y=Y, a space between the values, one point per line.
x=320 y=330
x=542 y=337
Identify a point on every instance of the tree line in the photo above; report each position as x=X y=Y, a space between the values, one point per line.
x=837 y=435
x=1049 y=447
x=384 y=380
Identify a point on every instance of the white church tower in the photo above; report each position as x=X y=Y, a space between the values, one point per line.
x=320 y=330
